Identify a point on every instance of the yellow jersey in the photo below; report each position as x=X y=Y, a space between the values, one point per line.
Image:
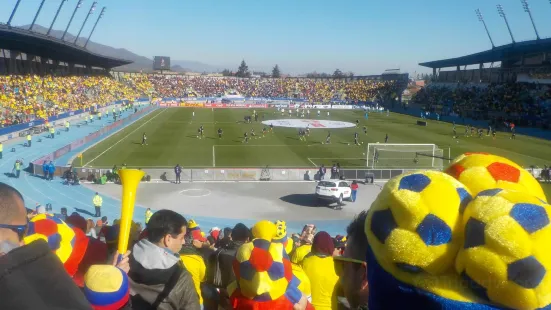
x=323 y=279
x=198 y=270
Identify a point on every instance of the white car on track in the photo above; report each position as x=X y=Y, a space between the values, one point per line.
x=333 y=190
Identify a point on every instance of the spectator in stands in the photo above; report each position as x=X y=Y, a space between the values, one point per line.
x=225 y=238
x=91 y=229
x=194 y=263
x=351 y=266
x=297 y=257
x=30 y=283
x=220 y=269
x=262 y=292
x=157 y=278
x=320 y=269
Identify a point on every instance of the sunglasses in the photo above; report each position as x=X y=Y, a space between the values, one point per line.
x=20 y=230
x=341 y=260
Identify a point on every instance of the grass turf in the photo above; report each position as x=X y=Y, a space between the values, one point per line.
x=172 y=139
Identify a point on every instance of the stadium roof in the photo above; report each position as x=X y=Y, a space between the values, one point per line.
x=37 y=44
x=500 y=53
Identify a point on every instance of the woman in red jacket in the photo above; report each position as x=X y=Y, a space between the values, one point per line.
x=354 y=188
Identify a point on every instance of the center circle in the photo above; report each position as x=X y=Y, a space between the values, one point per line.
x=310 y=123
x=195 y=192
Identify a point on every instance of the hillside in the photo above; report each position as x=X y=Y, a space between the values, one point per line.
x=139 y=62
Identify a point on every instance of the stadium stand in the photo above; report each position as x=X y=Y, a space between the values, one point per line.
x=516 y=91
x=313 y=90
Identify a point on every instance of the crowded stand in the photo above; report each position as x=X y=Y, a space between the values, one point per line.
x=475 y=243
x=522 y=103
x=313 y=90
x=24 y=98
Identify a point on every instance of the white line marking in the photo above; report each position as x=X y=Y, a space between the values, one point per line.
x=126 y=136
x=116 y=131
x=288 y=145
x=337 y=158
x=313 y=163
x=213 y=157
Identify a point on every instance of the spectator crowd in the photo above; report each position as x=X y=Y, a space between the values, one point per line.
x=62 y=261
x=24 y=98
x=525 y=104
x=313 y=90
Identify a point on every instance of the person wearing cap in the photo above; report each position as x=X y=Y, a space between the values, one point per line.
x=31 y=275
x=40 y=209
x=320 y=269
x=106 y=287
x=351 y=266
x=97 y=201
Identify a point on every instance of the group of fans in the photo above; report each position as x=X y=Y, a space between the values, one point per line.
x=24 y=98
x=172 y=263
x=314 y=90
x=521 y=103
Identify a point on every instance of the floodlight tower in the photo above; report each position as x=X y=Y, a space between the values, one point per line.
x=94 y=28
x=502 y=14
x=79 y=4
x=13 y=12
x=527 y=10
x=55 y=17
x=85 y=20
x=36 y=15
x=481 y=19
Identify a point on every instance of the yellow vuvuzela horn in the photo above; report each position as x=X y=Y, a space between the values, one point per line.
x=130 y=179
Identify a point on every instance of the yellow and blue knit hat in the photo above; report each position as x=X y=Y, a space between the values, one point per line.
x=106 y=287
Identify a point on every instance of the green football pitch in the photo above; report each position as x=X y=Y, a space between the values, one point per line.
x=172 y=139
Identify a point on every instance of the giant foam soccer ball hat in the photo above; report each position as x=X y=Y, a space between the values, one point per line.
x=479 y=240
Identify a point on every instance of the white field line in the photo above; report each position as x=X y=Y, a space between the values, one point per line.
x=213 y=157
x=313 y=163
x=109 y=136
x=126 y=136
x=337 y=158
x=281 y=145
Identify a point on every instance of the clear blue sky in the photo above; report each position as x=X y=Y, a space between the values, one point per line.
x=362 y=36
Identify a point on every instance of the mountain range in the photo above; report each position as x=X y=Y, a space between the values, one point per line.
x=142 y=63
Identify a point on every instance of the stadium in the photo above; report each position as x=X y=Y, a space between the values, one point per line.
x=98 y=152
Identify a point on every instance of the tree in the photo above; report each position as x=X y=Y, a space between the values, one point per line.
x=227 y=72
x=243 y=70
x=350 y=74
x=338 y=74
x=275 y=72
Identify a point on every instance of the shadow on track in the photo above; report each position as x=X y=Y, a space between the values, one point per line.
x=306 y=200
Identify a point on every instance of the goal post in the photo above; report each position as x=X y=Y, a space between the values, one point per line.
x=404 y=156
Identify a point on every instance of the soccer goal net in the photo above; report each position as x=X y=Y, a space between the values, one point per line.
x=404 y=156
